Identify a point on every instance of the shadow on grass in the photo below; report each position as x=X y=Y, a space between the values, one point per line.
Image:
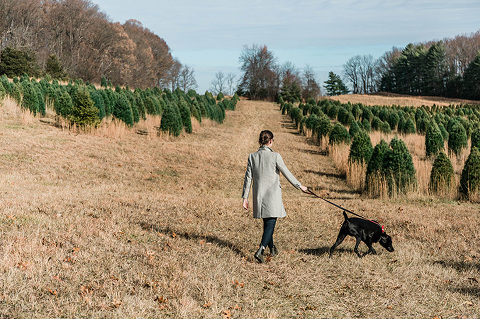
x=195 y=236
x=333 y=175
x=462 y=266
x=320 y=251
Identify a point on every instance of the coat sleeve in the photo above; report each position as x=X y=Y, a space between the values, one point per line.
x=285 y=172
x=247 y=182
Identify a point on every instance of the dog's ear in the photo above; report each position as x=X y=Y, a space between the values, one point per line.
x=345 y=215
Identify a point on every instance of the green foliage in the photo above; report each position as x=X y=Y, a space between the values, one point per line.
x=475 y=139
x=30 y=98
x=470 y=179
x=398 y=168
x=409 y=127
x=98 y=102
x=442 y=174
x=361 y=149
x=334 y=85
x=63 y=104
x=220 y=96
x=457 y=138
x=339 y=134
x=54 y=68
x=375 y=164
x=186 y=116
x=171 y=120
x=83 y=112
x=15 y=62
x=123 y=110
x=354 y=129
x=433 y=139
x=324 y=127
x=3 y=92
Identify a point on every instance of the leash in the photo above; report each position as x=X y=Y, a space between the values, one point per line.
x=309 y=191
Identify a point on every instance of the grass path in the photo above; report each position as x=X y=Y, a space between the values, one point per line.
x=141 y=227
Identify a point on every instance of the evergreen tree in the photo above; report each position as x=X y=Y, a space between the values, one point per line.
x=15 y=62
x=433 y=139
x=471 y=79
x=457 y=138
x=83 y=112
x=334 y=85
x=470 y=179
x=354 y=129
x=442 y=174
x=186 y=116
x=3 y=92
x=375 y=164
x=63 y=104
x=475 y=139
x=30 y=98
x=98 y=102
x=339 y=134
x=54 y=68
x=398 y=168
x=409 y=127
x=103 y=82
x=123 y=110
x=171 y=120
x=361 y=149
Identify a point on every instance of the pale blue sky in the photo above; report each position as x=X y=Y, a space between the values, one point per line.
x=209 y=35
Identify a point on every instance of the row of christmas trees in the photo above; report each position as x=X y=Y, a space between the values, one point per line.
x=85 y=105
x=392 y=163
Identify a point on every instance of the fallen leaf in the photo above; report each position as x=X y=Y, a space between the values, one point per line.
x=53 y=292
x=207 y=304
x=236 y=307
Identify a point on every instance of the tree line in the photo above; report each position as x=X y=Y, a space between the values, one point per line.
x=83 y=41
x=392 y=163
x=264 y=78
x=449 y=68
x=84 y=105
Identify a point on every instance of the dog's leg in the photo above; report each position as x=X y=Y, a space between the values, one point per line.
x=340 y=238
x=371 y=250
x=359 y=240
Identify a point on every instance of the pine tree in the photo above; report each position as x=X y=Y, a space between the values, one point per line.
x=186 y=115
x=475 y=139
x=433 y=139
x=123 y=110
x=54 y=68
x=398 y=168
x=83 y=112
x=334 y=85
x=457 y=138
x=171 y=120
x=470 y=179
x=442 y=174
x=30 y=98
x=63 y=104
x=361 y=149
x=354 y=129
x=339 y=134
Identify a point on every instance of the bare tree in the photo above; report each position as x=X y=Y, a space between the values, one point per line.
x=260 y=78
x=311 y=89
x=351 y=72
x=231 y=83
x=187 y=79
x=218 y=84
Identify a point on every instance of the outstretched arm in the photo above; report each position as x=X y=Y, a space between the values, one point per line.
x=289 y=176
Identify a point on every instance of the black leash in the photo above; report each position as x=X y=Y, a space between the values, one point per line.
x=344 y=209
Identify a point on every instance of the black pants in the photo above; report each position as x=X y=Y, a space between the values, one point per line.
x=268 y=228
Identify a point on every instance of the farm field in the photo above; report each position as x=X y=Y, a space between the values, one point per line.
x=152 y=227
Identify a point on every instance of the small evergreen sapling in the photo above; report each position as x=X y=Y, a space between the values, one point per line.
x=470 y=179
x=433 y=139
x=361 y=149
x=339 y=134
x=442 y=175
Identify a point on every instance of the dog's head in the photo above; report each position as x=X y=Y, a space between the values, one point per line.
x=386 y=242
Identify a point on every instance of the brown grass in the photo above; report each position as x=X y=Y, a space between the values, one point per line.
x=152 y=227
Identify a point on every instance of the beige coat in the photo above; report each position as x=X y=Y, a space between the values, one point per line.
x=263 y=169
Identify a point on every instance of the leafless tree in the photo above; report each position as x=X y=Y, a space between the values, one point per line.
x=260 y=79
x=231 y=83
x=187 y=79
x=311 y=89
x=219 y=84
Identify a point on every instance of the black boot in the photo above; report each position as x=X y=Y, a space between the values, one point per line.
x=259 y=255
x=273 y=251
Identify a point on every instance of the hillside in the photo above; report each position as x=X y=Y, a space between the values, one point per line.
x=150 y=227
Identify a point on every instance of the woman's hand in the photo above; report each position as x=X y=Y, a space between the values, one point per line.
x=304 y=189
x=245 y=203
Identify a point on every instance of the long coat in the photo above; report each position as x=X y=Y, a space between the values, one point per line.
x=263 y=169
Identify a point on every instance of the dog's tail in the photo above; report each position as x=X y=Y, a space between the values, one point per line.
x=345 y=215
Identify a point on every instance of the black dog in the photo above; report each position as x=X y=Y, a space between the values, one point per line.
x=363 y=230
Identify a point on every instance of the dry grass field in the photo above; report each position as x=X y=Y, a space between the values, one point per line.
x=132 y=226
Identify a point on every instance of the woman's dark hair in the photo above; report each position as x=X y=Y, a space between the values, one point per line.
x=265 y=137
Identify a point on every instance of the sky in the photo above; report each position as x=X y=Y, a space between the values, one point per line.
x=209 y=35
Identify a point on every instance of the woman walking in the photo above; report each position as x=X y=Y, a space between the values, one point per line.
x=263 y=170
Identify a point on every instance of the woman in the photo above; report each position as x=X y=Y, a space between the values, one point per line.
x=263 y=169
